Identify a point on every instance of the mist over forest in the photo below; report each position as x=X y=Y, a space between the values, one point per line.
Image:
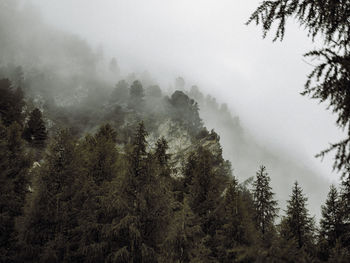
x=61 y=69
x=103 y=165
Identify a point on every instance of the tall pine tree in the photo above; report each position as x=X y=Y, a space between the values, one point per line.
x=297 y=225
x=49 y=218
x=265 y=206
x=35 y=131
x=236 y=233
x=142 y=206
x=345 y=206
x=331 y=223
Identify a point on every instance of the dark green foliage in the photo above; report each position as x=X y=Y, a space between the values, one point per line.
x=14 y=166
x=328 y=18
x=112 y=197
x=49 y=217
x=35 y=131
x=329 y=81
x=339 y=254
x=204 y=182
x=99 y=172
x=205 y=178
x=101 y=154
x=161 y=152
x=185 y=241
x=265 y=205
x=331 y=224
x=162 y=159
x=186 y=111
x=297 y=225
x=11 y=103
x=236 y=233
x=143 y=207
x=345 y=207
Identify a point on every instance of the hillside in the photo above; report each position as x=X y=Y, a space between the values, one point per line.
x=100 y=166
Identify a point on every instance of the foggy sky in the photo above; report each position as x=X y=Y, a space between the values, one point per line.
x=207 y=43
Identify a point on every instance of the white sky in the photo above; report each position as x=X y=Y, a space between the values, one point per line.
x=207 y=43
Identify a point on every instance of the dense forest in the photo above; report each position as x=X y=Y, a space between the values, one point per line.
x=117 y=195
x=129 y=172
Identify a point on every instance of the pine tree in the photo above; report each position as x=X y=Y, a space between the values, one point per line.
x=162 y=159
x=186 y=111
x=265 y=205
x=36 y=132
x=204 y=185
x=297 y=224
x=101 y=154
x=143 y=208
x=331 y=223
x=236 y=232
x=99 y=169
x=345 y=207
x=185 y=241
x=14 y=182
x=49 y=218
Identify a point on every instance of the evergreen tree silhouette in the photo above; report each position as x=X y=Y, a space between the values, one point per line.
x=297 y=224
x=265 y=206
x=36 y=132
x=331 y=223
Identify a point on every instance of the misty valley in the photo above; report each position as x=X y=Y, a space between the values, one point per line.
x=103 y=164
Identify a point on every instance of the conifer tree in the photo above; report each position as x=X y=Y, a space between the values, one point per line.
x=36 y=132
x=205 y=186
x=186 y=110
x=99 y=168
x=162 y=159
x=49 y=217
x=331 y=223
x=185 y=241
x=265 y=205
x=14 y=182
x=332 y=220
x=101 y=154
x=237 y=232
x=143 y=208
x=345 y=207
x=297 y=224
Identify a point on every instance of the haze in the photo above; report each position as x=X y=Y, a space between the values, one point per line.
x=208 y=44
